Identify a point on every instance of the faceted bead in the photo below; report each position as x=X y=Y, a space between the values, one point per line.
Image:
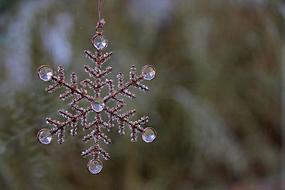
x=45 y=73
x=148 y=135
x=44 y=136
x=98 y=104
x=95 y=166
x=99 y=42
x=148 y=72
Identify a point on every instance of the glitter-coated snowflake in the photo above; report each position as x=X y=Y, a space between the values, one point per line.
x=92 y=109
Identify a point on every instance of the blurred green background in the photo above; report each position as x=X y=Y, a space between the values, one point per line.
x=215 y=103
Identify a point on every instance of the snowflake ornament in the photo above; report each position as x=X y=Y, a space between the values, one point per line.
x=92 y=110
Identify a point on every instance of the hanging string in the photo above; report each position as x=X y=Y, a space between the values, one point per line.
x=100 y=3
x=101 y=21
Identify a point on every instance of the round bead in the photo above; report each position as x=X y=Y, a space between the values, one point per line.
x=45 y=73
x=95 y=166
x=148 y=135
x=44 y=136
x=99 y=42
x=98 y=104
x=148 y=72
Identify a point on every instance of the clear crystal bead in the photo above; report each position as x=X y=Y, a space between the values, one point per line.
x=99 y=42
x=98 y=104
x=148 y=72
x=44 y=136
x=95 y=166
x=148 y=135
x=45 y=73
